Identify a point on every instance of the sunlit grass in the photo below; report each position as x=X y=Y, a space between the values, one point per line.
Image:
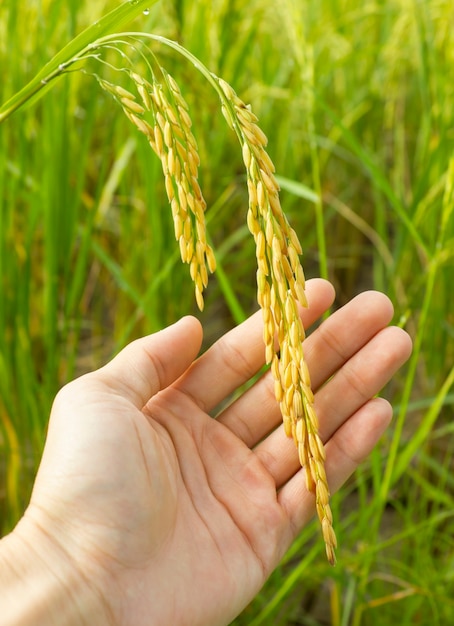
x=357 y=102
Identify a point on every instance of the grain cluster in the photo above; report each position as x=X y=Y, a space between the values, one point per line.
x=171 y=138
x=280 y=276
x=280 y=289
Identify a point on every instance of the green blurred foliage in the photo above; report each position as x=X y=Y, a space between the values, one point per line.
x=357 y=101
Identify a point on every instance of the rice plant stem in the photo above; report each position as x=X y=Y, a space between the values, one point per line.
x=237 y=311
x=368 y=162
x=14 y=467
x=316 y=181
x=389 y=477
x=437 y=260
x=293 y=578
x=210 y=77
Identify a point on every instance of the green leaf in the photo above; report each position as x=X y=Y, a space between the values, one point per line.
x=298 y=189
x=76 y=48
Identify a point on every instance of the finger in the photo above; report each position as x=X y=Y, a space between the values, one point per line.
x=361 y=378
x=151 y=363
x=240 y=354
x=351 y=444
x=256 y=412
x=345 y=332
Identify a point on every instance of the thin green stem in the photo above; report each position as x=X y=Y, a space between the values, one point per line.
x=210 y=77
x=436 y=262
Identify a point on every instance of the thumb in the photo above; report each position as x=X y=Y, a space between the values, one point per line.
x=152 y=363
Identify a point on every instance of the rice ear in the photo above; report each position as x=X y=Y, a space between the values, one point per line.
x=281 y=275
x=171 y=138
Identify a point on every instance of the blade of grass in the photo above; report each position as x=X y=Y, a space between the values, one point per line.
x=424 y=430
x=447 y=211
x=298 y=189
x=368 y=162
x=289 y=583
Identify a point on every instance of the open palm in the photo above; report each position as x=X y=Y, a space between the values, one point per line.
x=178 y=518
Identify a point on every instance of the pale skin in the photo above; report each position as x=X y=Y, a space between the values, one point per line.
x=147 y=511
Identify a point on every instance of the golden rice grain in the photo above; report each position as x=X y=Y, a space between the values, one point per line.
x=170 y=136
x=280 y=286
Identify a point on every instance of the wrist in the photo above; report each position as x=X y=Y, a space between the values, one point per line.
x=41 y=585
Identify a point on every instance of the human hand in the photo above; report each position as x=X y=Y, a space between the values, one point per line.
x=174 y=517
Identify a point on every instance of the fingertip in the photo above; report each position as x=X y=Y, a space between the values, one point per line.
x=405 y=341
x=372 y=420
x=193 y=326
x=377 y=303
x=380 y=414
x=151 y=363
x=354 y=441
x=320 y=295
x=400 y=345
x=320 y=288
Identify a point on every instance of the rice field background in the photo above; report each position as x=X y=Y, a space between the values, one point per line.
x=357 y=101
